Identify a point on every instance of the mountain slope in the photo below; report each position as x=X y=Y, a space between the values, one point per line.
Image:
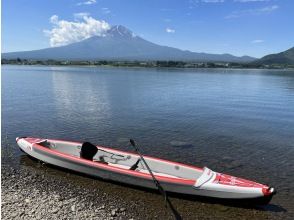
x=119 y=43
x=286 y=57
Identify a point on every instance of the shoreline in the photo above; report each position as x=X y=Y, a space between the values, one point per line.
x=144 y=67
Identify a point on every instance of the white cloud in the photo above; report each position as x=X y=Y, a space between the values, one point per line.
x=88 y=2
x=105 y=10
x=257 y=41
x=196 y=3
x=268 y=9
x=54 y=19
x=258 y=11
x=169 y=30
x=65 y=32
x=79 y=15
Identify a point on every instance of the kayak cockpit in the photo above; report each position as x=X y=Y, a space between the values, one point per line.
x=126 y=160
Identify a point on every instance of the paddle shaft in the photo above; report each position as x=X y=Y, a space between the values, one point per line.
x=159 y=187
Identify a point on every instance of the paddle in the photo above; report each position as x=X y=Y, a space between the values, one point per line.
x=157 y=184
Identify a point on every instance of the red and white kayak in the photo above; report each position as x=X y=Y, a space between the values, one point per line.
x=126 y=167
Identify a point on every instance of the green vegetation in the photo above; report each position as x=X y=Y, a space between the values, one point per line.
x=170 y=64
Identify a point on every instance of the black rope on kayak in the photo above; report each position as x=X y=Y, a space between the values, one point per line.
x=113 y=154
x=123 y=157
x=157 y=184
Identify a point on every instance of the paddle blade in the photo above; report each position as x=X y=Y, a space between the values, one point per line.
x=132 y=142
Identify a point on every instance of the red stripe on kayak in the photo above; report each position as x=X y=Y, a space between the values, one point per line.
x=116 y=169
x=225 y=179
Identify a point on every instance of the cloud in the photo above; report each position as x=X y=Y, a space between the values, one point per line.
x=169 y=30
x=257 y=41
x=65 y=32
x=79 y=15
x=54 y=19
x=268 y=9
x=258 y=11
x=105 y=10
x=88 y=2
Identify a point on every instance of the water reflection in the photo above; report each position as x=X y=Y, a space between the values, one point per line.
x=76 y=99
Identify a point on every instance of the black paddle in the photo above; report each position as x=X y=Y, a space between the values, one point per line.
x=159 y=187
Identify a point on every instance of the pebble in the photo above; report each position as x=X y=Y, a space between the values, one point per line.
x=113 y=212
x=101 y=207
x=73 y=208
x=13 y=214
x=54 y=210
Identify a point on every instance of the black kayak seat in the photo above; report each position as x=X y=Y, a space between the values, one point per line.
x=135 y=166
x=88 y=151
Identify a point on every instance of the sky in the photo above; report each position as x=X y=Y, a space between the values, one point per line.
x=239 y=27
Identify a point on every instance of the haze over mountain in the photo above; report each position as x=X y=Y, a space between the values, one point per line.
x=285 y=57
x=119 y=43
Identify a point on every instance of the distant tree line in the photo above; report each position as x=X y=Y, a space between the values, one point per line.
x=158 y=63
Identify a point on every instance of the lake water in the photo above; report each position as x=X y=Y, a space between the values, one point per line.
x=236 y=121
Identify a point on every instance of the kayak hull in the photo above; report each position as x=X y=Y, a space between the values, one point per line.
x=212 y=188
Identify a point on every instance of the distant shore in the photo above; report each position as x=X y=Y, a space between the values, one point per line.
x=147 y=64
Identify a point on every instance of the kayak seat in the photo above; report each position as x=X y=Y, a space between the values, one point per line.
x=88 y=151
x=135 y=166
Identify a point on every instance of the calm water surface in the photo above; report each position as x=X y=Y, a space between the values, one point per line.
x=235 y=121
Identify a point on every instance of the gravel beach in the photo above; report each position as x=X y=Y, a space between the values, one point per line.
x=27 y=195
x=34 y=190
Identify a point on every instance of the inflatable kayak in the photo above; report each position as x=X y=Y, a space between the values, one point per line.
x=127 y=168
